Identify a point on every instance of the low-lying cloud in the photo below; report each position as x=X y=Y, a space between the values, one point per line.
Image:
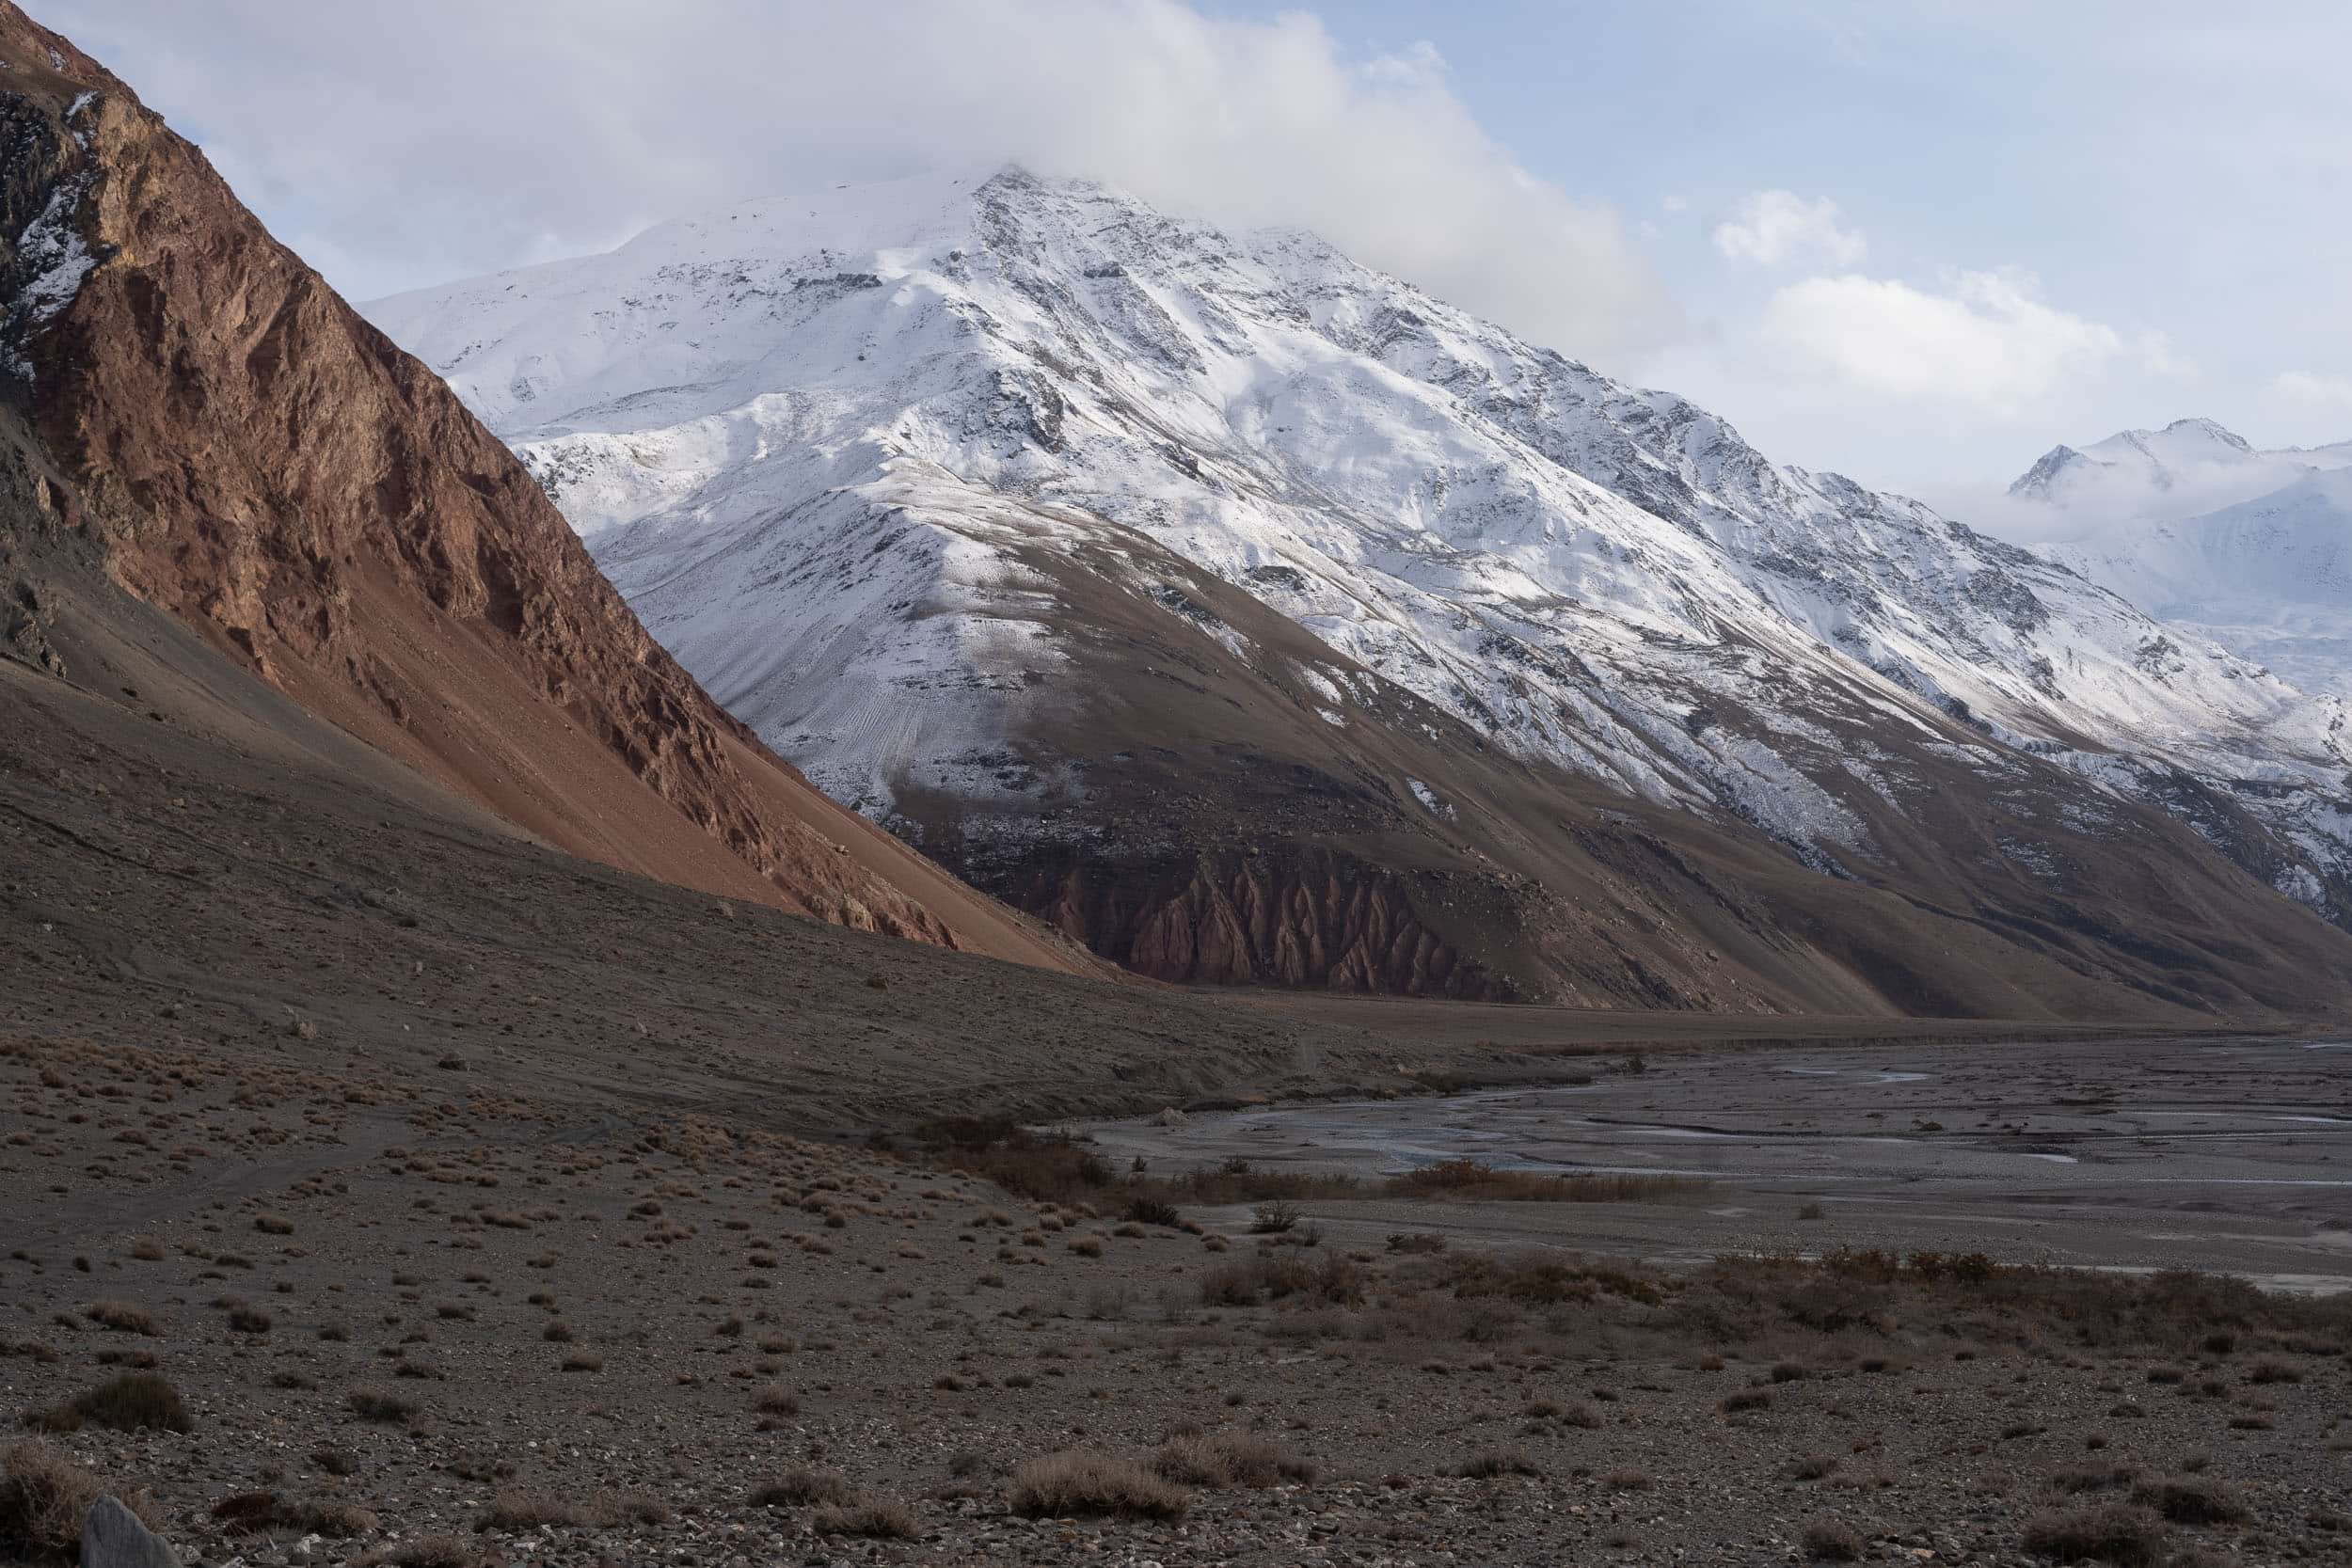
x=397 y=146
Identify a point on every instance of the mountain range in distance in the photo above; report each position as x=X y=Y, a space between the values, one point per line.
x=2251 y=548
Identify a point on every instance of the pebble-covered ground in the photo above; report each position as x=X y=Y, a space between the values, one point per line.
x=407 y=1319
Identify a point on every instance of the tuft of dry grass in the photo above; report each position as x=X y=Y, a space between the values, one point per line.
x=877 y=1519
x=1830 y=1539
x=252 y=1513
x=122 y=1317
x=1226 y=1460
x=1492 y=1463
x=425 y=1551
x=1070 y=1485
x=524 y=1508
x=2120 y=1535
x=43 y=1498
x=799 y=1488
x=379 y=1404
x=135 y=1402
x=2192 y=1499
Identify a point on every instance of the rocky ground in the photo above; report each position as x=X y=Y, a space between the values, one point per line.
x=410 y=1318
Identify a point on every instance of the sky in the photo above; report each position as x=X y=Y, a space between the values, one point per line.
x=1914 y=241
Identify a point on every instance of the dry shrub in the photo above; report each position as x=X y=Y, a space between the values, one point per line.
x=880 y=1520
x=122 y=1317
x=338 y=1521
x=1227 y=1460
x=1829 y=1539
x=1273 y=1217
x=1152 y=1211
x=799 y=1488
x=1744 y=1297
x=379 y=1404
x=777 y=1401
x=2192 y=1499
x=1071 y=1484
x=521 y=1508
x=43 y=1498
x=252 y=1512
x=2122 y=1534
x=630 y=1508
x=425 y=1551
x=136 y=1402
x=1491 y=1463
x=1542 y=1278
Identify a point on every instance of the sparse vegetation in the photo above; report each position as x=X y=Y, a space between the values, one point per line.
x=880 y=1520
x=1226 y=1460
x=1061 y=1485
x=122 y=1317
x=804 y=1487
x=1829 y=1539
x=134 y=1401
x=43 y=1498
x=2120 y=1534
x=379 y=1404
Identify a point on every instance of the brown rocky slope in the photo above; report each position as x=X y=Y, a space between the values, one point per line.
x=249 y=456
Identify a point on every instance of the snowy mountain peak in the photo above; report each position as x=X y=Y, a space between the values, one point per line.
x=2187 y=465
x=2038 y=481
x=2250 y=548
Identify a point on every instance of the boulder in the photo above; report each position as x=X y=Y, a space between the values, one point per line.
x=112 y=1537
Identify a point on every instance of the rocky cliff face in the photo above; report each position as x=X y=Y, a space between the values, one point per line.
x=248 y=454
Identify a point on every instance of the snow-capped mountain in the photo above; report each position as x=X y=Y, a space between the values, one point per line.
x=2189 y=465
x=947 y=485
x=2251 y=548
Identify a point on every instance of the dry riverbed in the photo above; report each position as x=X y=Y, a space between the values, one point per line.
x=2231 y=1154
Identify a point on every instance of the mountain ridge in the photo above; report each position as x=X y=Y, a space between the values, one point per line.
x=213 y=430
x=890 y=501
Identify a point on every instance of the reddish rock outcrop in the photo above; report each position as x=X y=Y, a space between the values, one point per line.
x=256 y=460
x=1314 y=918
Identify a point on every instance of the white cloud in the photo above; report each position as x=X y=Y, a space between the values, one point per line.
x=1776 y=227
x=398 y=145
x=1987 y=341
x=2317 y=387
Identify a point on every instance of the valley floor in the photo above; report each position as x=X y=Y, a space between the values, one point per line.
x=416 y=1318
x=456 y=1189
